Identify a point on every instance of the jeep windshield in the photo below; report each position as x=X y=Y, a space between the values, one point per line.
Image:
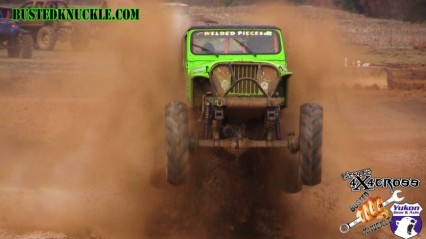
x=235 y=42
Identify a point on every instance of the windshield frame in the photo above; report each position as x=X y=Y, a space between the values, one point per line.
x=275 y=33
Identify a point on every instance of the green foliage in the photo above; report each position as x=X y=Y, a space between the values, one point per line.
x=298 y=1
x=407 y=10
x=349 y=5
x=230 y=3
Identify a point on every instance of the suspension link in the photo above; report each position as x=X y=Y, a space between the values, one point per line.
x=207 y=116
x=277 y=123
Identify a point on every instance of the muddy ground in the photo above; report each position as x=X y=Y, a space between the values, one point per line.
x=81 y=132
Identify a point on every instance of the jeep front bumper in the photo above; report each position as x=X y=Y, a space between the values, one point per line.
x=292 y=143
x=246 y=102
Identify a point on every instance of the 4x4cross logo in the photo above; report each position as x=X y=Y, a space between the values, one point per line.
x=363 y=180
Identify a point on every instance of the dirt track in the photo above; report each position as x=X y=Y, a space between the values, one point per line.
x=78 y=134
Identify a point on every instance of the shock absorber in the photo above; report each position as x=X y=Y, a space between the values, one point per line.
x=277 y=123
x=207 y=117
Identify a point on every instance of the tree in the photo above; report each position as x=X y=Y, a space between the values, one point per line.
x=349 y=5
x=407 y=10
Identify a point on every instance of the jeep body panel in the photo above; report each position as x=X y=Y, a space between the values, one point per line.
x=199 y=65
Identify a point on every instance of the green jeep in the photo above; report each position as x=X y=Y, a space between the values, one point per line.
x=237 y=84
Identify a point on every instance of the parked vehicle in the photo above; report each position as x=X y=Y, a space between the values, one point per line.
x=17 y=41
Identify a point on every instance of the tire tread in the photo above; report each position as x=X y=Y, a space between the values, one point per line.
x=311 y=120
x=177 y=143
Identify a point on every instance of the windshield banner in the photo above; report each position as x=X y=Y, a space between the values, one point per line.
x=236 y=33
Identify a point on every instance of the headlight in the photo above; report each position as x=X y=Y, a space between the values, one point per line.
x=268 y=79
x=221 y=79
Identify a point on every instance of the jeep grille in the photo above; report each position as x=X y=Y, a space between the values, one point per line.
x=244 y=79
x=244 y=86
x=245 y=71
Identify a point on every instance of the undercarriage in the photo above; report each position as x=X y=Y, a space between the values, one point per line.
x=243 y=123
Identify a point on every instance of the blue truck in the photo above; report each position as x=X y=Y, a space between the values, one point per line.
x=17 y=41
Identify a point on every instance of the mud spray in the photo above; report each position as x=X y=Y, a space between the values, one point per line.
x=81 y=162
x=75 y=154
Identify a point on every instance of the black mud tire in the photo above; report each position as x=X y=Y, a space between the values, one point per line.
x=13 y=48
x=26 y=46
x=177 y=143
x=311 y=118
x=80 y=38
x=46 y=38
